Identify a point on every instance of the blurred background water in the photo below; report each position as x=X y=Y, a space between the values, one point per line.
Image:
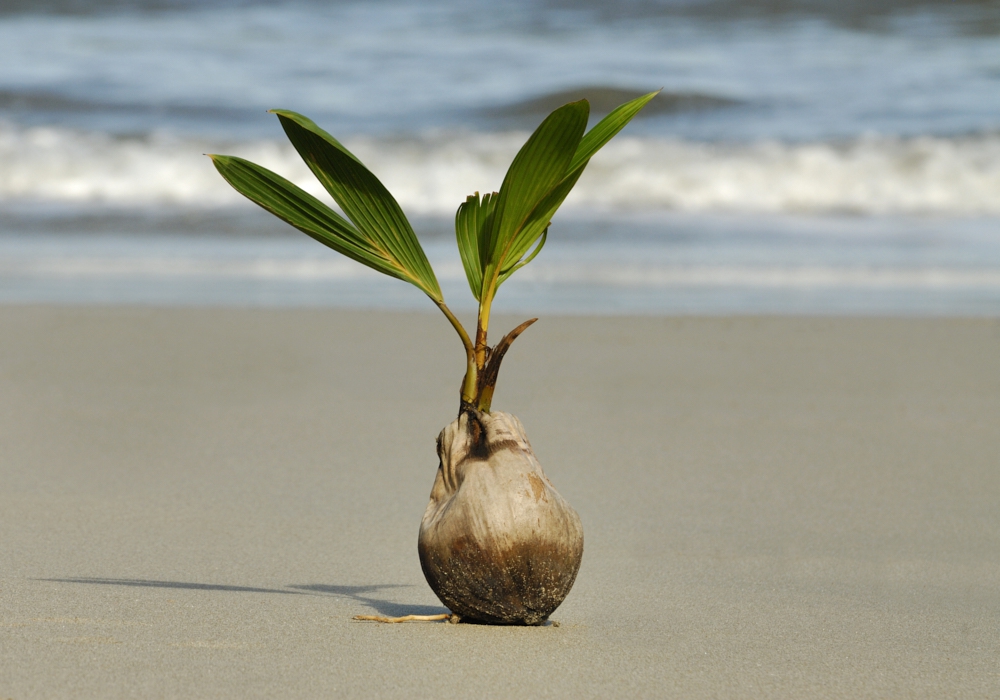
x=805 y=156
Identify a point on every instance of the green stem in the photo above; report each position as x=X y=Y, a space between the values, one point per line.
x=472 y=368
x=482 y=327
x=482 y=347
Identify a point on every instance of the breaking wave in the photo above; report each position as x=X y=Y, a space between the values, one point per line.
x=431 y=174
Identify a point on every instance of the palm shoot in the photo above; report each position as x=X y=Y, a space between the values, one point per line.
x=482 y=561
x=498 y=233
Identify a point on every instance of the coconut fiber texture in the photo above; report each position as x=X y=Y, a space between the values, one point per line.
x=497 y=543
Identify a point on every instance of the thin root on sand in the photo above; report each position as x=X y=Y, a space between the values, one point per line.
x=410 y=618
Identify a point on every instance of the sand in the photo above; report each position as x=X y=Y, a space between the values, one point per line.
x=195 y=502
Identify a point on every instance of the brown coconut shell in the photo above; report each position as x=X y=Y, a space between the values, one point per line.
x=497 y=544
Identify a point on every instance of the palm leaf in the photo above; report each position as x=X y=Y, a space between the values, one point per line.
x=592 y=142
x=297 y=207
x=364 y=199
x=521 y=262
x=606 y=129
x=471 y=222
x=534 y=189
x=537 y=169
x=537 y=224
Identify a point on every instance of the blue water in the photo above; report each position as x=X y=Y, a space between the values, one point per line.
x=806 y=157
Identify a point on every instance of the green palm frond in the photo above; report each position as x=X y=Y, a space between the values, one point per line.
x=495 y=243
x=378 y=234
x=471 y=223
x=497 y=234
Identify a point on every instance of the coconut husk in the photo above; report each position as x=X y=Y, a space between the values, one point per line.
x=497 y=544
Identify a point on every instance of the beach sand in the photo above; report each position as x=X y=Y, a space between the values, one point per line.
x=195 y=502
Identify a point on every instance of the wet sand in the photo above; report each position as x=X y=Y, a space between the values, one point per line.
x=195 y=502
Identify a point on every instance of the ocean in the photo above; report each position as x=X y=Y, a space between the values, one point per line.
x=804 y=157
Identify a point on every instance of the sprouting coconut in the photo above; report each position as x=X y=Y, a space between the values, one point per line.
x=497 y=543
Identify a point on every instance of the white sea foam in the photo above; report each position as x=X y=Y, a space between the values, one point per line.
x=553 y=275
x=298 y=260
x=430 y=175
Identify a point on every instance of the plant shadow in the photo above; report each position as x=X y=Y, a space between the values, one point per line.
x=381 y=605
x=361 y=594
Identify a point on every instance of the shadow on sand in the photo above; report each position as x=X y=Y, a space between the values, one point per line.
x=361 y=594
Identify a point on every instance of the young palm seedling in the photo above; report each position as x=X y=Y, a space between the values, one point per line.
x=497 y=543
